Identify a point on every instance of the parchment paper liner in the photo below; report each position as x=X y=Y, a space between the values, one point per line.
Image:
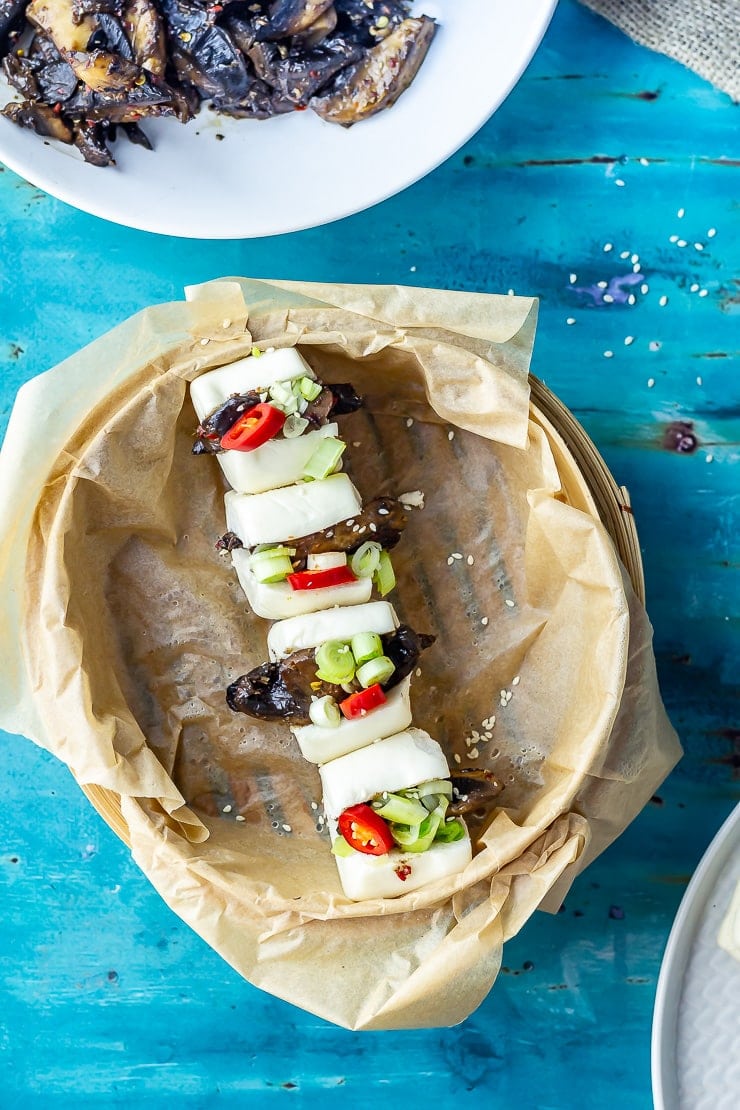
x=131 y=626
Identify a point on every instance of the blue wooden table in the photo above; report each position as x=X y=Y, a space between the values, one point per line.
x=603 y=162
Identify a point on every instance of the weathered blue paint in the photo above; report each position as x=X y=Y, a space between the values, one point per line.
x=106 y=998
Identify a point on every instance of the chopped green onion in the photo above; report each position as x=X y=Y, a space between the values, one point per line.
x=450 y=831
x=335 y=662
x=294 y=426
x=366 y=646
x=271 y=566
x=384 y=577
x=256 y=352
x=435 y=786
x=324 y=712
x=324 y=459
x=375 y=670
x=405 y=835
x=427 y=832
x=366 y=559
x=282 y=396
x=340 y=847
x=309 y=388
x=401 y=810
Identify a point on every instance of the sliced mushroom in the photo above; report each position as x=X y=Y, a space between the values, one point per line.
x=290 y=17
x=217 y=66
x=146 y=34
x=89 y=138
x=103 y=72
x=56 y=18
x=297 y=75
x=473 y=789
x=39 y=118
x=21 y=74
x=318 y=31
x=377 y=81
x=11 y=15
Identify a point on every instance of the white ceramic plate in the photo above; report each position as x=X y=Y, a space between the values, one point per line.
x=695 y=1057
x=294 y=172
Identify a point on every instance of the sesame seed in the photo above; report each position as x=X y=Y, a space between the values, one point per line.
x=350 y=522
x=457 y=758
x=511 y=292
x=473 y=753
x=204 y=342
x=703 y=292
x=450 y=561
x=409 y=421
x=226 y=323
x=673 y=239
x=608 y=354
x=693 y=288
x=503 y=693
x=607 y=298
x=650 y=383
x=698 y=246
x=629 y=340
x=570 y=320
x=644 y=162
x=240 y=817
x=681 y=243
x=573 y=279
x=681 y=213
x=516 y=680
x=608 y=247
x=457 y=555
x=635 y=258
x=711 y=233
x=356 y=443
x=654 y=345
x=663 y=301
x=619 y=182
x=601 y=284
x=710 y=458
x=226 y=809
x=632 y=299
x=470 y=560
x=699 y=381
x=314 y=805
x=287 y=828
x=484 y=621
x=636 y=268
x=450 y=435
x=417 y=672
x=624 y=254
x=372 y=527
x=509 y=602
x=383 y=512
x=412 y=269
x=644 y=288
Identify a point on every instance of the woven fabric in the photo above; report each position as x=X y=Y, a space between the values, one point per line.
x=701 y=34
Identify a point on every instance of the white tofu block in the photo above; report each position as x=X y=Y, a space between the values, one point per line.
x=333 y=624
x=285 y=514
x=320 y=744
x=399 y=762
x=279 y=462
x=365 y=877
x=213 y=388
x=276 y=600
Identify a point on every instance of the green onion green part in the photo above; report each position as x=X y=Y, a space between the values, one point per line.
x=324 y=459
x=375 y=670
x=366 y=559
x=366 y=646
x=335 y=662
x=384 y=577
x=324 y=712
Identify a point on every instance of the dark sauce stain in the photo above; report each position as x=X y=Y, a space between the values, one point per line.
x=646 y=94
x=679 y=436
x=112 y=976
x=656 y=800
x=468 y=160
x=14 y=350
x=616 y=913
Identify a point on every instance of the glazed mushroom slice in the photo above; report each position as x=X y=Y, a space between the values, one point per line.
x=290 y=17
x=473 y=790
x=369 y=21
x=81 y=8
x=318 y=31
x=90 y=140
x=145 y=31
x=376 y=82
x=39 y=118
x=56 y=19
x=218 y=67
x=298 y=74
x=21 y=74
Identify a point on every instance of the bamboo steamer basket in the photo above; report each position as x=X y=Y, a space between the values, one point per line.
x=587 y=484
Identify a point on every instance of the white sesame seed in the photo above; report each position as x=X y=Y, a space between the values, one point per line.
x=356 y=443
x=240 y=817
x=204 y=342
x=710 y=458
x=644 y=288
x=457 y=555
x=470 y=560
x=629 y=340
x=511 y=292
x=516 y=680
x=509 y=602
x=570 y=320
x=632 y=299
x=372 y=527
x=703 y=292
x=681 y=243
x=619 y=182
x=287 y=828
x=644 y=162
x=473 y=753
x=450 y=561
x=409 y=421
x=673 y=239
x=663 y=301
x=314 y=805
x=226 y=323
x=681 y=213
x=636 y=268
x=573 y=279
x=654 y=345
x=601 y=284
x=624 y=254
x=711 y=233
x=451 y=435
x=693 y=288
x=608 y=247
x=418 y=672
x=650 y=383
x=699 y=381
x=457 y=758
x=484 y=621
x=608 y=354
x=607 y=298
x=226 y=809
x=698 y=246
x=635 y=258
x=503 y=693
x=412 y=269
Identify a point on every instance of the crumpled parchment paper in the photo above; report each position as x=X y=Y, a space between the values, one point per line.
x=122 y=625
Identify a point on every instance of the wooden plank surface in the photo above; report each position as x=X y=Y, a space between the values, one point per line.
x=106 y=998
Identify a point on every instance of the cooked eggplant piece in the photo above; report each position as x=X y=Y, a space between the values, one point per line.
x=369 y=21
x=89 y=138
x=81 y=8
x=55 y=17
x=318 y=31
x=290 y=17
x=218 y=67
x=56 y=79
x=135 y=135
x=346 y=398
x=377 y=81
x=39 y=118
x=129 y=105
x=21 y=74
x=473 y=789
x=259 y=102
x=262 y=694
x=144 y=28
x=384 y=513
x=103 y=72
x=109 y=35
x=11 y=17
x=403 y=647
x=297 y=75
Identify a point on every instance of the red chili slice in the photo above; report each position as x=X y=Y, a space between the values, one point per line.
x=365 y=831
x=357 y=705
x=317 y=579
x=253 y=428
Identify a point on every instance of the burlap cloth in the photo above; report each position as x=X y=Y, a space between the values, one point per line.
x=701 y=34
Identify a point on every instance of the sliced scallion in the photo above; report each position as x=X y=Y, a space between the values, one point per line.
x=294 y=426
x=335 y=662
x=366 y=646
x=324 y=459
x=384 y=577
x=450 y=831
x=401 y=810
x=375 y=670
x=271 y=566
x=309 y=388
x=427 y=832
x=326 y=560
x=324 y=712
x=366 y=559
x=340 y=847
